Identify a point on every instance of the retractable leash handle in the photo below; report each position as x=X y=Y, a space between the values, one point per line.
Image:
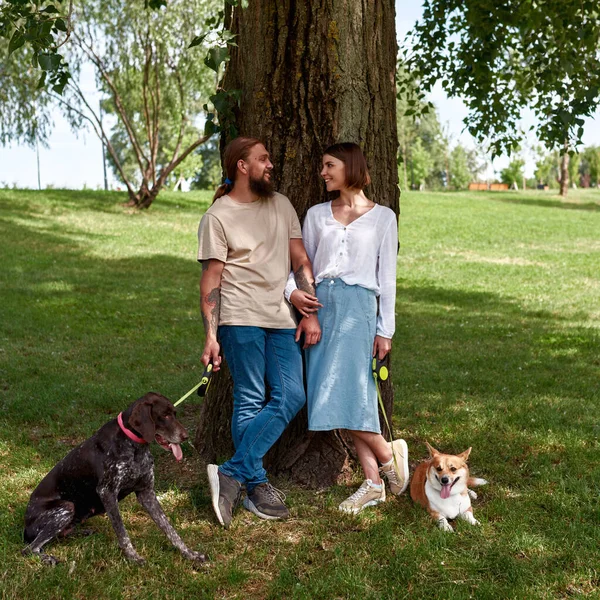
x=206 y=379
x=380 y=371
x=202 y=387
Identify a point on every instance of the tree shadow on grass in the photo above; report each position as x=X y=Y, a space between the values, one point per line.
x=26 y=201
x=509 y=198
x=481 y=361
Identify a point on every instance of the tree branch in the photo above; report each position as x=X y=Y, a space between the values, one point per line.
x=183 y=122
x=148 y=59
x=176 y=162
x=98 y=130
x=139 y=153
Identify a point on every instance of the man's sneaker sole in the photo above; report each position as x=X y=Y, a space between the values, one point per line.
x=215 y=488
x=249 y=505
x=404 y=452
x=355 y=511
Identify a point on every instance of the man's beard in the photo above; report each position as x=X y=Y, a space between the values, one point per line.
x=261 y=187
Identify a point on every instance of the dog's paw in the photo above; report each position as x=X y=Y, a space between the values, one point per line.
x=445 y=526
x=49 y=560
x=135 y=557
x=195 y=556
x=472 y=494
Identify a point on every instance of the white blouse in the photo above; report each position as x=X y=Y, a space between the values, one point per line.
x=361 y=253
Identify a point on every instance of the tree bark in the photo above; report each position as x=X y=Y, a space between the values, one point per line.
x=312 y=73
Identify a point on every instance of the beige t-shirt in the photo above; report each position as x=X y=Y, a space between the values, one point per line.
x=253 y=240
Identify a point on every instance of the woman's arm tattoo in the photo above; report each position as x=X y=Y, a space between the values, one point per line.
x=211 y=319
x=302 y=281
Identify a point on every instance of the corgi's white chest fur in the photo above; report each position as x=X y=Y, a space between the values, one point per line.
x=451 y=507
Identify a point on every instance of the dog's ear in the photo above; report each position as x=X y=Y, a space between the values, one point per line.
x=465 y=455
x=141 y=420
x=432 y=450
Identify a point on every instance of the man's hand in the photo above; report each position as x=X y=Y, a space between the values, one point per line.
x=305 y=302
x=381 y=347
x=311 y=329
x=211 y=354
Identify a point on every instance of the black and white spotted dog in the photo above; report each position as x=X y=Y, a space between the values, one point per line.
x=107 y=467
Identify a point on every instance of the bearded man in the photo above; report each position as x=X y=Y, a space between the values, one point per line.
x=247 y=241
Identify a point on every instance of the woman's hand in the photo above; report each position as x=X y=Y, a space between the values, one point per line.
x=305 y=303
x=381 y=347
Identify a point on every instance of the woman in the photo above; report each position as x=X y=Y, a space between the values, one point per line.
x=352 y=243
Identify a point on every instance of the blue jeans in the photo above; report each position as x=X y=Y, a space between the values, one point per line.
x=253 y=355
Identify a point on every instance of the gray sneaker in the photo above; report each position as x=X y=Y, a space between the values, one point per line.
x=266 y=502
x=225 y=493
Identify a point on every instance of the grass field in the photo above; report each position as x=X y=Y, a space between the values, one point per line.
x=497 y=347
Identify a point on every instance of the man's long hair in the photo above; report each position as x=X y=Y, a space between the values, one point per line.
x=237 y=149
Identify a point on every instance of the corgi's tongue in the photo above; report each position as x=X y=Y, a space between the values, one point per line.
x=176 y=450
x=446 y=491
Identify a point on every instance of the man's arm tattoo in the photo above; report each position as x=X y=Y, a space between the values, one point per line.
x=211 y=319
x=302 y=281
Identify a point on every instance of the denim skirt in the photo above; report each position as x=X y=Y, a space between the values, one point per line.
x=340 y=387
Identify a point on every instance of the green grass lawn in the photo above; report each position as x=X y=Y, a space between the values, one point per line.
x=497 y=347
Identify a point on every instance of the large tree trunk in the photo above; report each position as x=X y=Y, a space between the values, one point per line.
x=312 y=73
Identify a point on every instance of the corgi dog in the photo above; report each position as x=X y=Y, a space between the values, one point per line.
x=441 y=485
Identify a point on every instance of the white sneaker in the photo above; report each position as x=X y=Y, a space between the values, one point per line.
x=366 y=495
x=396 y=471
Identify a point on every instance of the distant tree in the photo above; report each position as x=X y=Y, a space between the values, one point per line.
x=547 y=168
x=159 y=95
x=461 y=168
x=421 y=121
x=421 y=164
x=573 y=169
x=208 y=174
x=154 y=86
x=590 y=165
x=513 y=174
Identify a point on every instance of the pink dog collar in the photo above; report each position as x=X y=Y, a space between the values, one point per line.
x=129 y=433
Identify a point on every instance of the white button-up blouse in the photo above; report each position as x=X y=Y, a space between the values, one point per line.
x=361 y=253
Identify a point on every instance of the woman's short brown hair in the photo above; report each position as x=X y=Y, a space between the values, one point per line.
x=356 y=170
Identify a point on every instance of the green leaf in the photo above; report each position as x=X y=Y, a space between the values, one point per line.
x=215 y=57
x=50 y=9
x=219 y=101
x=209 y=127
x=60 y=25
x=49 y=61
x=41 y=82
x=16 y=41
x=198 y=40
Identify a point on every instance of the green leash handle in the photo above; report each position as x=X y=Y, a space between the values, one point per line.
x=202 y=387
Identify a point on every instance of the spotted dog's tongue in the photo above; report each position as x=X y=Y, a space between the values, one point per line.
x=446 y=491
x=176 y=450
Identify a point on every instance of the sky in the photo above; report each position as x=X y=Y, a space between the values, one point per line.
x=75 y=161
